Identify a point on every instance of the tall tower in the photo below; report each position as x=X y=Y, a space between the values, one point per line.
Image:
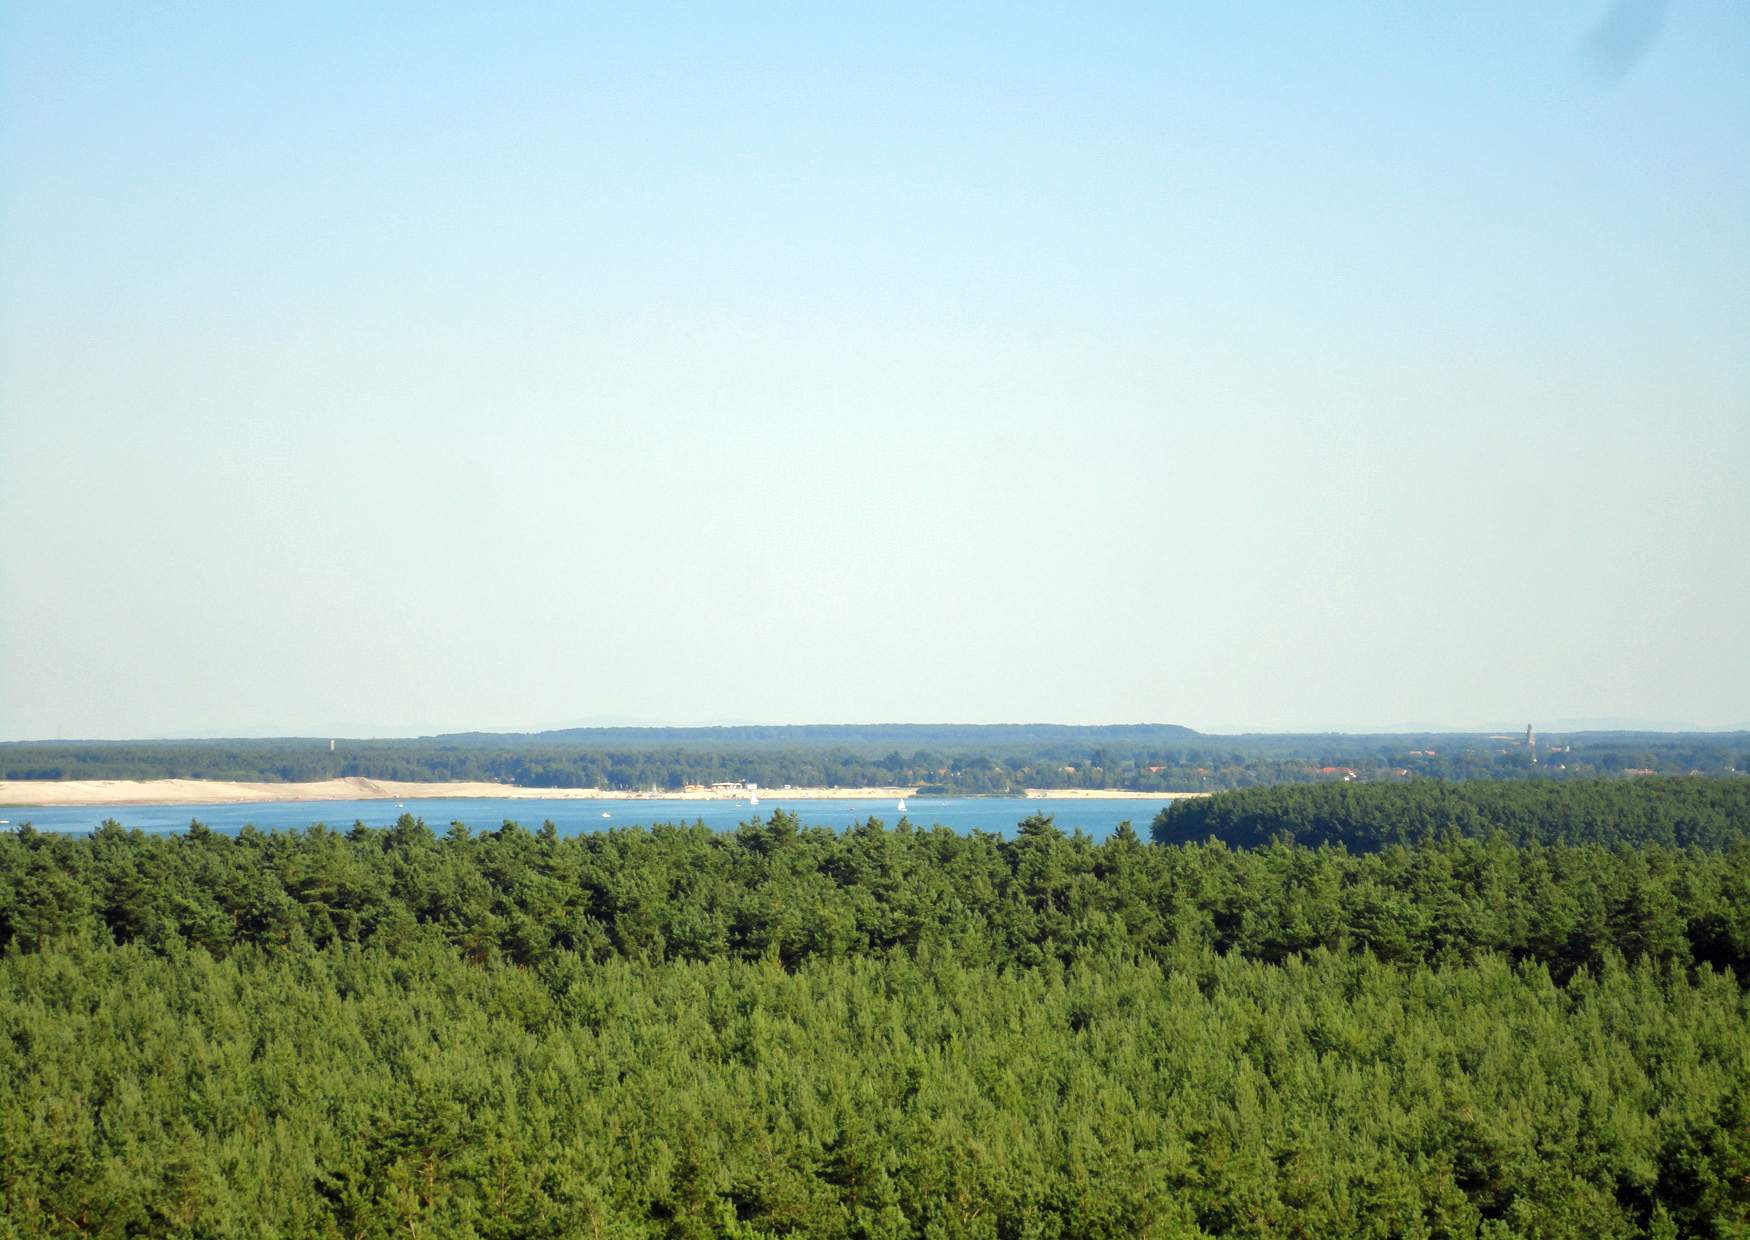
x=1531 y=741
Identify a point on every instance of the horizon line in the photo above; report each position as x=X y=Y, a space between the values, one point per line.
x=1598 y=726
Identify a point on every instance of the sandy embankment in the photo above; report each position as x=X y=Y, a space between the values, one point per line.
x=224 y=792
x=80 y=792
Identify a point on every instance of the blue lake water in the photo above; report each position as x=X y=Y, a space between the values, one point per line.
x=1096 y=816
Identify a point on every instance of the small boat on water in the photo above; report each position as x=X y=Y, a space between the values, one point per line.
x=753 y=800
x=605 y=814
x=901 y=806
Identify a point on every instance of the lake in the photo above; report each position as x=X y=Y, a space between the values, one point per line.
x=1096 y=816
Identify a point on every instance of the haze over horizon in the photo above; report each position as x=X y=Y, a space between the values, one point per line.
x=1305 y=370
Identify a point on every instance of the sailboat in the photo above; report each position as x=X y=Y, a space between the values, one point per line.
x=753 y=794
x=901 y=806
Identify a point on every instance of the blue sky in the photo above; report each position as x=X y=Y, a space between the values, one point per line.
x=1273 y=367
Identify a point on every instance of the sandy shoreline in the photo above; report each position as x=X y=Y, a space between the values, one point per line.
x=82 y=792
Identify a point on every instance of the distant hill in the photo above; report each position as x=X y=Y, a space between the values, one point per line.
x=980 y=736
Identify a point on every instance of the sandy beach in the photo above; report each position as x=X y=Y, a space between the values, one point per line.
x=77 y=792
x=224 y=792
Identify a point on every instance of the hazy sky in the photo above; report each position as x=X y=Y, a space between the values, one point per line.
x=1272 y=366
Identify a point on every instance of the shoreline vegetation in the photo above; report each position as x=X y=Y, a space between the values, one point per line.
x=849 y=761
x=26 y=793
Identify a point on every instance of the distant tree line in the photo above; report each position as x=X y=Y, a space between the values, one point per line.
x=958 y=761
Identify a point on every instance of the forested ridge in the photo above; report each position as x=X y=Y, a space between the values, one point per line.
x=992 y=759
x=1460 y=1031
